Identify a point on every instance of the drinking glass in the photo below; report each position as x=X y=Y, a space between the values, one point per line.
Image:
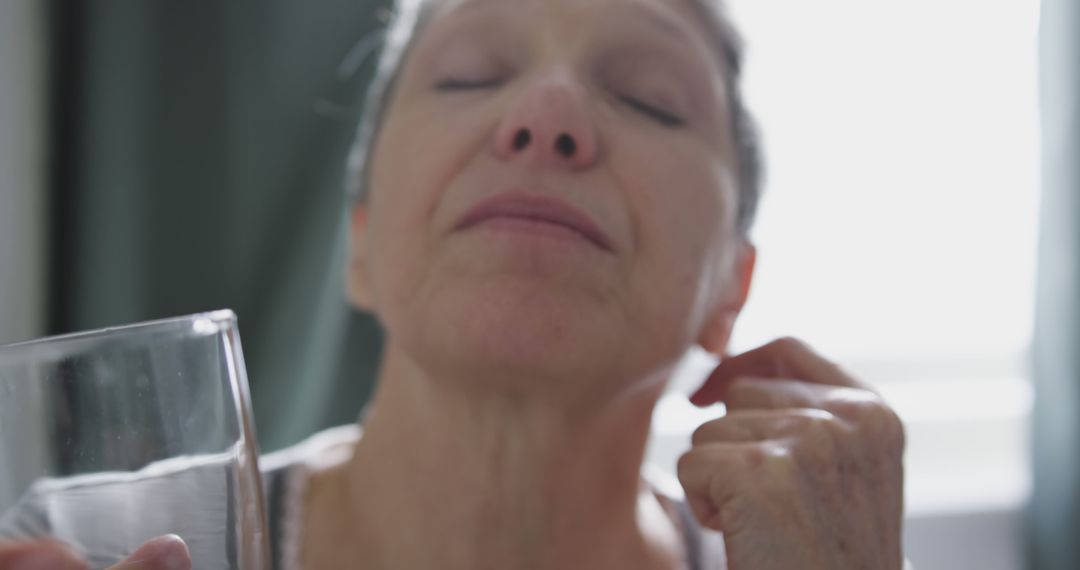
x=112 y=437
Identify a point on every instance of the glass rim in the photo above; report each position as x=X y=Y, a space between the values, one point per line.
x=207 y=322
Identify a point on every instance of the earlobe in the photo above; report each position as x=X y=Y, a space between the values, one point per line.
x=356 y=278
x=714 y=339
x=716 y=334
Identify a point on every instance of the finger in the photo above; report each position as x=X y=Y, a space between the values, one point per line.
x=783 y=358
x=855 y=409
x=759 y=425
x=717 y=475
x=39 y=555
x=166 y=552
x=765 y=394
x=854 y=405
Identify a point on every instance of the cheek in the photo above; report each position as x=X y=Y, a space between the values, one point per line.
x=421 y=149
x=401 y=196
x=684 y=205
x=685 y=212
x=418 y=155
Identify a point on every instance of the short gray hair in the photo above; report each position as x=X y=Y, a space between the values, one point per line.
x=409 y=17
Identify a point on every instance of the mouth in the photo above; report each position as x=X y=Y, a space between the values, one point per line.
x=535 y=212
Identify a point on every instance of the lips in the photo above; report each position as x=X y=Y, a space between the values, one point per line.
x=535 y=209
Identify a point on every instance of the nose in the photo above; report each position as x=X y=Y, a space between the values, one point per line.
x=548 y=125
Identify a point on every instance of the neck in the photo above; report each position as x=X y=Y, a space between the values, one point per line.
x=496 y=479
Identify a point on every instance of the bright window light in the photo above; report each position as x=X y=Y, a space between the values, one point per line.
x=899 y=221
x=897 y=233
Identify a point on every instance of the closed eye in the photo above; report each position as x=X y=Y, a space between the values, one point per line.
x=659 y=115
x=453 y=84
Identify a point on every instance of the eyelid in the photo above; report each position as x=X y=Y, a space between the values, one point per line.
x=645 y=85
x=662 y=116
x=456 y=84
x=468 y=63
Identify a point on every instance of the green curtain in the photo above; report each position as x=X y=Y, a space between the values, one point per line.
x=1055 y=509
x=198 y=156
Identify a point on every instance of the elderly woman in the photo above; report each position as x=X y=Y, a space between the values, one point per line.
x=553 y=204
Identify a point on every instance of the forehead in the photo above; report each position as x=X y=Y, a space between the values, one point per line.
x=673 y=17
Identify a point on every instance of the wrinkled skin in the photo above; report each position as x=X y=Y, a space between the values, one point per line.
x=804 y=471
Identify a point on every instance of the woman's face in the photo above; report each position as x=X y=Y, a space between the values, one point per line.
x=553 y=191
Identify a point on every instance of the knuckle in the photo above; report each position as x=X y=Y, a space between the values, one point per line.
x=822 y=424
x=875 y=422
x=892 y=428
x=856 y=411
x=798 y=423
x=821 y=441
x=856 y=405
x=777 y=456
x=880 y=415
x=755 y=455
x=790 y=344
x=814 y=416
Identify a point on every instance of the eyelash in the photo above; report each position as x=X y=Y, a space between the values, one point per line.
x=663 y=117
x=465 y=85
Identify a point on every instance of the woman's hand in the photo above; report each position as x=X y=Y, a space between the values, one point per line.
x=162 y=553
x=804 y=471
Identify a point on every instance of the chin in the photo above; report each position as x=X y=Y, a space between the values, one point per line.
x=516 y=327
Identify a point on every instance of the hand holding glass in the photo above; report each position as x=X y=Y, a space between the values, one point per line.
x=113 y=437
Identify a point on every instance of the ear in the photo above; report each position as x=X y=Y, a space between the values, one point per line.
x=717 y=330
x=357 y=285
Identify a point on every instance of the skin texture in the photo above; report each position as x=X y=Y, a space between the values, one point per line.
x=508 y=355
x=805 y=468
x=523 y=361
x=531 y=363
x=663 y=195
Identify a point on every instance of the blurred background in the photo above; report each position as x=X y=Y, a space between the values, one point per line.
x=920 y=222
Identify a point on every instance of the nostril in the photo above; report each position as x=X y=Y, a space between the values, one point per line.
x=565 y=145
x=521 y=139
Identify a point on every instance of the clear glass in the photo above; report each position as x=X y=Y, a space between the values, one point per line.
x=112 y=437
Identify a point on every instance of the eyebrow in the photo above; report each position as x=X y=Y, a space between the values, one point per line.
x=677 y=31
x=658 y=19
x=646 y=14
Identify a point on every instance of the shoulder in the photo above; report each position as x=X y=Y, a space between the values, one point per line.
x=286 y=474
x=327 y=446
x=290 y=467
